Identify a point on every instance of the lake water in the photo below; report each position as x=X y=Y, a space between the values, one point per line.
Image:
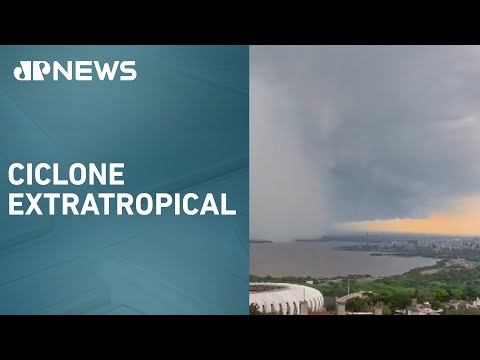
x=322 y=260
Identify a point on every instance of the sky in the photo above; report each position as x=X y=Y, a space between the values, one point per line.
x=364 y=138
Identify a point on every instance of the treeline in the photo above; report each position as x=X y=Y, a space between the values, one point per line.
x=397 y=292
x=303 y=279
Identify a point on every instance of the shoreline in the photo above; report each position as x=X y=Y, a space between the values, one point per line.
x=439 y=265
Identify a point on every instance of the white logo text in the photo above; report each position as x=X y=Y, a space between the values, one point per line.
x=75 y=70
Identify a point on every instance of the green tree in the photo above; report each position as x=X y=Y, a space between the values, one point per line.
x=399 y=300
x=471 y=292
x=357 y=305
x=441 y=294
x=436 y=304
x=457 y=293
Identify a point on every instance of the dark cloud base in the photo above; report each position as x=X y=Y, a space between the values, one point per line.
x=352 y=133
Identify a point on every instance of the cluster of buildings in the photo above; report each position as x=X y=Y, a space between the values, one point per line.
x=419 y=309
x=445 y=245
x=426 y=309
x=436 y=246
x=463 y=304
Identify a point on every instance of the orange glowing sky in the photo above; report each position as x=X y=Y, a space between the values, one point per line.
x=463 y=218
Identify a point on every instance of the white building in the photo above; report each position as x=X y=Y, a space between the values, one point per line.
x=284 y=298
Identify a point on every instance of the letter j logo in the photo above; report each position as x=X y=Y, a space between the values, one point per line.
x=31 y=70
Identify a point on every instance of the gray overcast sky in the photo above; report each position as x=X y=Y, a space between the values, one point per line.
x=352 y=133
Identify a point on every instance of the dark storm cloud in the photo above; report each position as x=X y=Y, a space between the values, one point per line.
x=351 y=133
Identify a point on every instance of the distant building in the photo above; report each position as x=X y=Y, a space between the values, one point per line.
x=413 y=311
x=458 y=304
x=422 y=309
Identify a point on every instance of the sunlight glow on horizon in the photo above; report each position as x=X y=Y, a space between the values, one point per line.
x=462 y=219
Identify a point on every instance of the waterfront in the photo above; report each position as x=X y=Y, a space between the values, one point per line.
x=322 y=260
